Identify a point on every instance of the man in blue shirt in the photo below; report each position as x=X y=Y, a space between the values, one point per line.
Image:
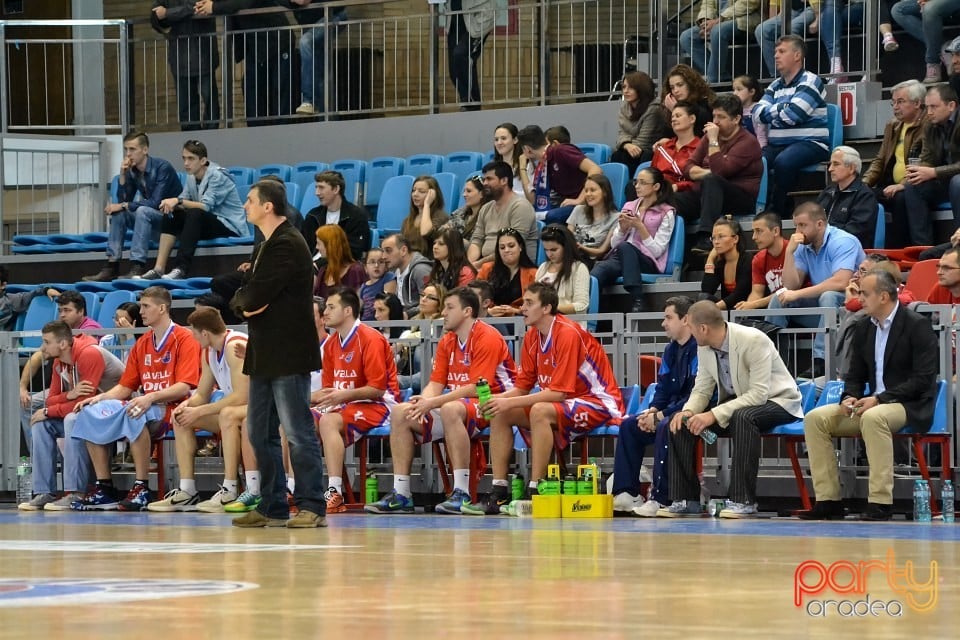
x=818 y=264
x=153 y=179
x=678 y=371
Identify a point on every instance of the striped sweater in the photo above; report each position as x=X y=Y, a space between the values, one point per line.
x=795 y=111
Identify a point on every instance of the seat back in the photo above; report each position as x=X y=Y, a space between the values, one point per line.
x=309 y=168
x=764 y=185
x=395 y=204
x=109 y=304
x=92 y=302
x=631 y=399
x=880 y=232
x=808 y=394
x=640 y=167
x=423 y=164
x=449 y=186
x=282 y=171
x=835 y=125
x=647 y=398
x=596 y=151
x=379 y=171
x=304 y=180
x=242 y=175
x=922 y=278
x=675 y=251
x=939 y=425
x=463 y=164
x=357 y=168
x=831 y=394
x=293 y=194
x=617 y=174
x=41 y=311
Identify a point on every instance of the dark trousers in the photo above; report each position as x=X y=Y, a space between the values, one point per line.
x=921 y=200
x=627 y=261
x=621 y=156
x=628 y=458
x=463 y=52
x=192 y=91
x=718 y=197
x=268 y=77
x=784 y=164
x=192 y=226
x=744 y=429
x=898 y=231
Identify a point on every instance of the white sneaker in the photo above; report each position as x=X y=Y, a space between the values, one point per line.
x=176 y=500
x=738 y=510
x=175 y=274
x=218 y=501
x=648 y=509
x=681 y=509
x=152 y=274
x=63 y=504
x=306 y=109
x=37 y=503
x=626 y=503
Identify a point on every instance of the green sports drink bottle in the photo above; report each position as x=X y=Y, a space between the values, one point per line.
x=371 y=489
x=483 y=393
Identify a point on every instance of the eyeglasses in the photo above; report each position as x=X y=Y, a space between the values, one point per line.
x=946 y=267
x=373 y=262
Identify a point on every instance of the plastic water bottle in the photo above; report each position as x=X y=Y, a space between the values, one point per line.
x=516 y=487
x=917 y=500
x=925 y=515
x=371 y=488
x=709 y=436
x=24 y=480
x=483 y=393
x=946 y=498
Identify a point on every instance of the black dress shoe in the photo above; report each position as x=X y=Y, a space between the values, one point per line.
x=817 y=371
x=702 y=246
x=824 y=510
x=877 y=512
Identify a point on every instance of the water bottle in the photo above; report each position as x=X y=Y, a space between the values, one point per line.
x=917 y=500
x=946 y=499
x=24 y=480
x=709 y=436
x=483 y=393
x=516 y=487
x=569 y=487
x=925 y=515
x=371 y=488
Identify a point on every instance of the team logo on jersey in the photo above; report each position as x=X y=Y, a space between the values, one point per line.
x=348 y=357
x=466 y=359
x=147 y=360
x=167 y=357
x=357 y=416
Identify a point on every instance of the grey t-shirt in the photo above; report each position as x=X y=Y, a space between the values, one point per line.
x=591 y=234
x=516 y=214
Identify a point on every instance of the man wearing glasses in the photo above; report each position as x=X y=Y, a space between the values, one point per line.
x=947 y=289
x=887 y=174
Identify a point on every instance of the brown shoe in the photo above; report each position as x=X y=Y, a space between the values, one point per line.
x=254 y=519
x=110 y=272
x=306 y=520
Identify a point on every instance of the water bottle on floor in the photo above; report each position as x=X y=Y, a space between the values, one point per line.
x=24 y=480
x=946 y=498
x=917 y=500
x=925 y=515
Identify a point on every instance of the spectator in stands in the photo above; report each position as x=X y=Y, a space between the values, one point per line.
x=678 y=370
x=72 y=308
x=561 y=169
x=755 y=393
x=924 y=22
x=408 y=349
x=558 y=134
x=902 y=140
x=511 y=272
x=427 y=214
x=506 y=210
x=749 y=91
x=850 y=204
x=386 y=307
x=208 y=207
x=726 y=167
x=767 y=264
x=379 y=280
x=127 y=316
x=932 y=253
x=464 y=219
x=313 y=62
x=448 y=408
x=802 y=20
x=359 y=386
x=340 y=269
x=670 y=157
x=641 y=122
x=13 y=304
x=79 y=371
x=721 y=25
x=903 y=390
x=593 y=221
x=165 y=366
x=485 y=293
x=564 y=270
x=794 y=108
x=450 y=265
x=264 y=43
x=937 y=175
x=155 y=180
x=469 y=22
x=193 y=54
x=641 y=240
x=335 y=209
x=578 y=392
x=953 y=49
x=726 y=271
x=836 y=19
x=686 y=85
x=221 y=372
x=824 y=256
x=947 y=289
x=506 y=148
x=411 y=269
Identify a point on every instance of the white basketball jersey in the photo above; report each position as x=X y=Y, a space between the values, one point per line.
x=218 y=361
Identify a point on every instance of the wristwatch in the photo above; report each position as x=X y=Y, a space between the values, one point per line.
x=179 y=200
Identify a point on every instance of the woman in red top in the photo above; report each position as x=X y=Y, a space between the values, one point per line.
x=510 y=273
x=727 y=276
x=450 y=265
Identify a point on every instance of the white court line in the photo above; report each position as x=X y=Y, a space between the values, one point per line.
x=82 y=546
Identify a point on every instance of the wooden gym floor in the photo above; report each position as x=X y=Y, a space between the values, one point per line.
x=189 y=576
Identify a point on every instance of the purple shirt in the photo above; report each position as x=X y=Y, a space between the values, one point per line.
x=563 y=172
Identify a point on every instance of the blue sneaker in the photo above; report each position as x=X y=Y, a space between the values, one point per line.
x=96 y=499
x=137 y=498
x=453 y=502
x=393 y=502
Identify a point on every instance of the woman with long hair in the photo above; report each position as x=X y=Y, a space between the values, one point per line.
x=409 y=347
x=592 y=221
x=387 y=306
x=507 y=149
x=341 y=270
x=464 y=219
x=686 y=85
x=672 y=155
x=126 y=316
x=450 y=265
x=641 y=121
x=642 y=238
x=510 y=273
x=426 y=214
x=563 y=269
x=727 y=275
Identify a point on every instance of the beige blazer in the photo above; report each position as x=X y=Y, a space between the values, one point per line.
x=758 y=375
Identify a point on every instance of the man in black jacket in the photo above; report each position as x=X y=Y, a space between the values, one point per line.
x=282 y=350
x=334 y=209
x=903 y=388
x=850 y=204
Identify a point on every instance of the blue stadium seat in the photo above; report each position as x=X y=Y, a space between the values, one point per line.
x=310 y=168
x=674 y=256
x=450 y=187
x=396 y=204
x=835 y=127
x=93 y=303
x=423 y=164
x=109 y=305
x=463 y=163
x=640 y=167
x=764 y=186
x=242 y=175
x=357 y=167
x=307 y=184
x=594 y=305
x=880 y=234
x=282 y=171
x=308 y=202
x=379 y=172
x=488 y=156
x=41 y=311
x=596 y=151
x=115 y=189
x=293 y=194
x=183 y=178
x=95 y=287
x=617 y=173
x=354 y=173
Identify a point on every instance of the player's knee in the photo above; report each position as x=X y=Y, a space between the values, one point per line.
x=542 y=413
x=453 y=411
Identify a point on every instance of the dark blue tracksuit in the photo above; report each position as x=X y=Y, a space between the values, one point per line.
x=678 y=370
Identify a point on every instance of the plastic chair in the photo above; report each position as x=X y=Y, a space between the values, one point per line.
x=109 y=304
x=242 y=175
x=617 y=174
x=449 y=186
x=293 y=194
x=305 y=181
x=310 y=168
x=423 y=164
x=357 y=167
x=41 y=311
x=463 y=163
x=183 y=178
x=640 y=167
x=93 y=303
x=282 y=171
x=395 y=204
x=764 y=186
x=674 y=257
x=922 y=279
x=308 y=202
x=596 y=151
x=880 y=234
x=835 y=127
x=379 y=172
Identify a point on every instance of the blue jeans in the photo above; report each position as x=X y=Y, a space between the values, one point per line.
x=721 y=37
x=926 y=26
x=785 y=164
x=146 y=225
x=826 y=299
x=768 y=31
x=627 y=261
x=920 y=201
x=558 y=215
x=835 y=17
x=313 y=66
x=285 y=400
x=76 y=459
x=629 y=458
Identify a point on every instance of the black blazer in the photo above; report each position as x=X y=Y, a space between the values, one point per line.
x=909 y=365
x=354 y=221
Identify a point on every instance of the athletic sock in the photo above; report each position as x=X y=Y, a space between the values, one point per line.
x=230 y=485
x=252 y=479
x=336 y=482
x=188 y=485
x=461 y=480
x=401 y=484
